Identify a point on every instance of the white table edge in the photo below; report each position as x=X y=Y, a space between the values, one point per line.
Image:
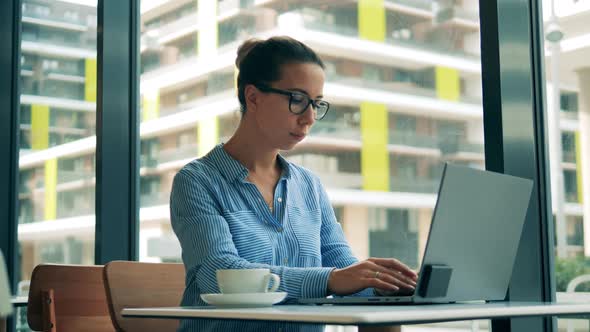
x=19 y=301
x=360 y=315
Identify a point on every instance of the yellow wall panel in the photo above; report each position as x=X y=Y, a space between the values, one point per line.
x=50 y=189
x=207 y=18
x=448 y=84
x=90 y=80
x=374 y=154
x=150 y=106
x=39 y=127
x=208 y=133
x=371 y=19
x=374 y=120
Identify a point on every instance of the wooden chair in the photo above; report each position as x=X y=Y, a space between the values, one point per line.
x=136 y=284
x=68 y=298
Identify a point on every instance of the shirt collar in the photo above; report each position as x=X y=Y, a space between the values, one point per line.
x=233 y=170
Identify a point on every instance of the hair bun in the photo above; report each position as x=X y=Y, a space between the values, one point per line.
x=245 y=48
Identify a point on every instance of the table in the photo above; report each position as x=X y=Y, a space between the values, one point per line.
x=16 y=301
x=19 y=301
x=366 y=315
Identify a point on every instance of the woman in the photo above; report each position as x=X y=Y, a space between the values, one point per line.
x=244 y=206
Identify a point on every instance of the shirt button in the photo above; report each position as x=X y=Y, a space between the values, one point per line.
x=285 y=261
x=280 y=229
x=279 y=199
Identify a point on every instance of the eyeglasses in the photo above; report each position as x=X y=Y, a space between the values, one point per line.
x=299 y=102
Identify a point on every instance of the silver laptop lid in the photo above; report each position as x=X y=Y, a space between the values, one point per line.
x=475 y=230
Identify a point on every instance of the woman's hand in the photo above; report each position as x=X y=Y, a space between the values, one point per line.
x=386 y=274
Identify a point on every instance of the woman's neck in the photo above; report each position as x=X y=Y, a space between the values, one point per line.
x=251 y=152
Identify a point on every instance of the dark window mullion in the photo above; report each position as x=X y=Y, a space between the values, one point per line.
x=117 y=141
x=10 y=27
x=10 y=13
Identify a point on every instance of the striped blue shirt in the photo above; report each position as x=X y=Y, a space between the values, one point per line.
x=223 y=222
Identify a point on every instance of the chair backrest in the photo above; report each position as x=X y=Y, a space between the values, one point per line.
x=5 y=305
x=68 y=298
x=137 y=284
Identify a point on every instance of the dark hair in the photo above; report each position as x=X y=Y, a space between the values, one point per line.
x=260 y=61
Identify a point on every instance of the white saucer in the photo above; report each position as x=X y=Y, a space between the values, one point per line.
x=244 y=300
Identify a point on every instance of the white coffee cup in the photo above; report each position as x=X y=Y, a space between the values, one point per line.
x=247 y=281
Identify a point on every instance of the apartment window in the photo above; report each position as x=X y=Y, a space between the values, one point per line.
x=569 y=101
x=394 y=234
x=575 y=231
x=568 y=146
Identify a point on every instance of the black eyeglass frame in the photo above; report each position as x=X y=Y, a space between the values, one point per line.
x=313 y=102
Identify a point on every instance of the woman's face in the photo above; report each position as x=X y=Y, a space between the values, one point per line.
x=278 y=127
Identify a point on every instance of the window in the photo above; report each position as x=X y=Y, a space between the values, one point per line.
x=58 y=103
x=187 y=67
x=568 y=137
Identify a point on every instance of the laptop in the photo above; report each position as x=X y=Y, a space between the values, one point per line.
x=473 y=240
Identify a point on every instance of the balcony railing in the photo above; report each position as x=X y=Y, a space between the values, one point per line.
x=31 y=13
x=34 y=214
x=430 y=47
x=76 y=211
x=466 y=14
x=410 y=138
x=573 y=115
x=569 y=156
x=571 y=197
x=335 y=129
x=65 y=71
x=471 y=147
x=27 y=70
x=80 y=43
x=70 y=176
x=154 y=199
x=418 y=4
x=148 y=161
x=341 y=180
x=352 y=31
x=61 y=90
x=451 y=145
x=450 y=13
x=169 y=28
x=196 y=102
x=227 y=5
x=180 y=153
x=168 y=155
x=413 y=184
x=405 y=87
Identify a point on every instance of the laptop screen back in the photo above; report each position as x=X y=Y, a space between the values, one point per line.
x=475 y=230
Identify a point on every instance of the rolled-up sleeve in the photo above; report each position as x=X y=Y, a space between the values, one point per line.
x=207 y=243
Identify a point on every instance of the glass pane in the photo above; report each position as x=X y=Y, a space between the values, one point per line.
x=415 y=68
x=57 y=128
x=567 y=37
